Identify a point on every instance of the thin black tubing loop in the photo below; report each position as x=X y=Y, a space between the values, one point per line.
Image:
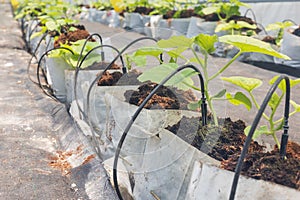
x=98 y=77
x=137 y=112
x=34 y=56
x=39 y=66
x=86 y=40
x=31 y=31
x=263 y=28
x=254 y=125
x=78 y=69
x=290 y=20
x=252 y=12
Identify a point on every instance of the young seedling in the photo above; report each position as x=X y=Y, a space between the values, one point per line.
x=177 y=45
x=249 y=101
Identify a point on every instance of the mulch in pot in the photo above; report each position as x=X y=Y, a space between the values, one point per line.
x=218 y=142
x=120 y=79
x=67 y=37
x=236 y=18
x=165 y=98
x=269 y=166
x=226 y=142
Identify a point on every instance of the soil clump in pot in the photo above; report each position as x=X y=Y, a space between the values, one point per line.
x=164 y=98
x=218 y=142
x=67 y=37
x=118 y=78
x=269 y=166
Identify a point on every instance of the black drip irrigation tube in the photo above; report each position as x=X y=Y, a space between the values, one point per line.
x=284 y=137
x=34 y=56
x=252 y=12
x=38 y=72
x=98 y=77
x=78 y=69
x=120 y=144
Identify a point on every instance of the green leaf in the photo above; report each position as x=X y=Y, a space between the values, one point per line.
x=282 y=85
x=149 y=51
x=295 y=105
x=258 y=132
x=219 y=94
x=279 y=25
x=156 y=74
x=51 y=26
x=274 y=101
x=175 y=42
x=234 y=25
x=175 y=53
x=206 y=42
x=248 y=44
x=210 y=10
x=194 y=105
x=247 y=84
x=239 y=99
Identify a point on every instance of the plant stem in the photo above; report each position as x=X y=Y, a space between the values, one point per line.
x=226 y=66
x=257 y=106
x=276 y=140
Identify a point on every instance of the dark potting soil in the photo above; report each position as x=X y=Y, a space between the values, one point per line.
x=269 y=39
x=165 y=97
x=212 y=17
x=180 y=14
x=143 y=10
x=118 y=78
x=218 y=142
x=71 y=36
x=297 y=31
x=269 y=166
x=102 y=66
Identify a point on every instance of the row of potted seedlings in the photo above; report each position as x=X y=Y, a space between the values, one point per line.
x=155 y=138
x=161 y=19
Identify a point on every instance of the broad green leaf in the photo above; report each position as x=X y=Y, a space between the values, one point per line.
x=234 y=25
x=295 y=105
x=258 y=132
x=239 y=99
x=282 y=85
x=177 y=52
x=51 y=26
x=194 y=105
x=210 y=10
x=157 y=74
x=149 y=51
x=175 y=42
x=139 y=61
x=278 y=25
x=219 y=94
x=206 y=42
x=274 y=101
x=248 y=44
x=246 y=83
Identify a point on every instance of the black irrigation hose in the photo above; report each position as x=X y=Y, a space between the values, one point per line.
x=284 y=138
x=120 y=144
x=290 y=20
x=39 y=67
x=78 y=69
x=252 y=12
x=98 y=77
x=86 y=40
x=32 y=30
x=34 y=56
x=263 y=28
